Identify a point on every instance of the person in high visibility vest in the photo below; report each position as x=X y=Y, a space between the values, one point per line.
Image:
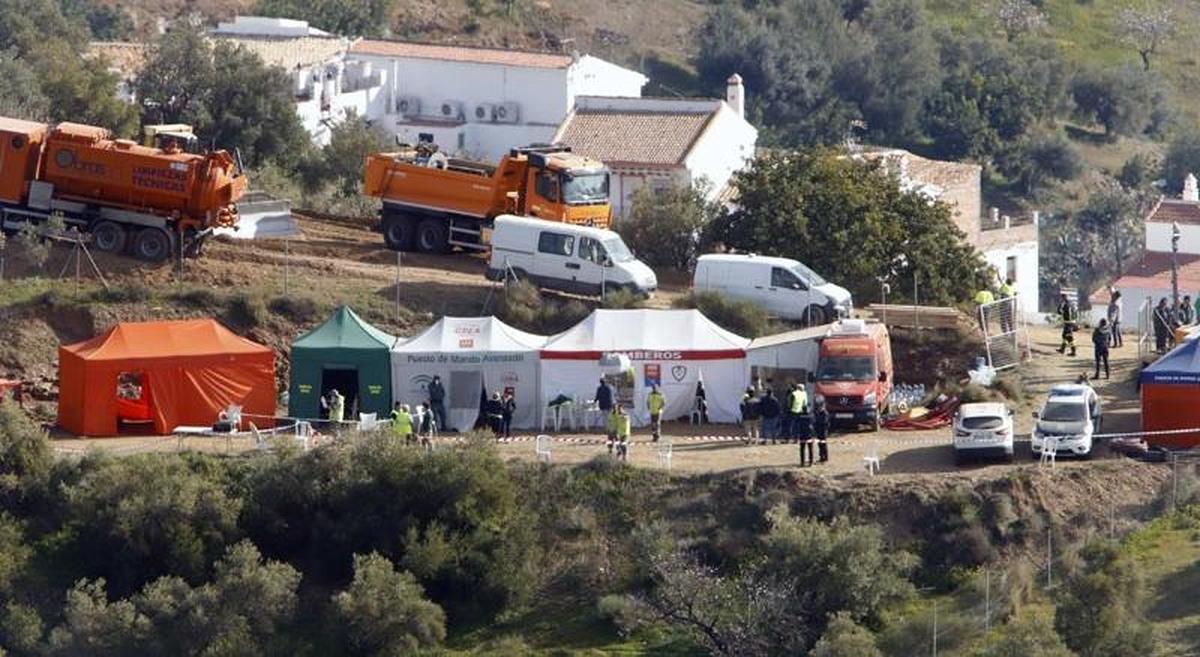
x=337 y=407
x=1008 y=294
x=619 y=426
x=799 y=411
x=402 y=423
x=655 y=403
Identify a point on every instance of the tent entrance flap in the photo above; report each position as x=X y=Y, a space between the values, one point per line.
x=134 y=409
x=345 y=381
x=463 y=394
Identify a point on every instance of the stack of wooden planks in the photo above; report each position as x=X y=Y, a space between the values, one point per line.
x=926 y=317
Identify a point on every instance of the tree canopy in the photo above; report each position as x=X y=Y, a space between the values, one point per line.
x=819 y=208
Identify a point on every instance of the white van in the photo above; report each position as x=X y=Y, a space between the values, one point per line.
x=566 y=257
x=783 y=287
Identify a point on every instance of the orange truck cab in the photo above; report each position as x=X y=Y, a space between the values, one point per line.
x=432 y=203
x=854 y=374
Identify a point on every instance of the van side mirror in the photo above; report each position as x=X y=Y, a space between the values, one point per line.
x=1034 y=414
x=606 y=261
x=883 y=377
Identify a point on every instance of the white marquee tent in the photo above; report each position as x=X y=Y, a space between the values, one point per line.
x=470 y=354
x=675 y=348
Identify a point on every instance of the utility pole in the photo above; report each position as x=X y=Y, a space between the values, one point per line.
x=398 y=264
x=987 y=601
x=287 y=258
x=935 y=627
x=1175 y=234
x=1049 y=556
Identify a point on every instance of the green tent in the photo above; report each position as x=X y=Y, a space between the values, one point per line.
x=345 y=353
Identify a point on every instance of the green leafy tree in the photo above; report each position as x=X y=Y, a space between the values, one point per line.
x=138 y=518
x=93 y=626
x=1041 y=158
x=1182 y=158
x=1027 y=635
x=82 y=90
x=664 y=225
x=351 y=140
x=901 y=68
x=1114 y=215
x=817 y=207
x=385 y=612
x=1121 y=100
x=1101 y=605
x=21 y=94
x=104 y=22
x=174 y=84
x=27 y=24
x=25 y=454
x=342 y=17
x=252 y=109
x=845 y=638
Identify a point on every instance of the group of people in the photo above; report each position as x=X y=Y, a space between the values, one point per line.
x=1168 y=317
x=1105 y=336
x=985 y=297
x=421 y=423
x=765 y=418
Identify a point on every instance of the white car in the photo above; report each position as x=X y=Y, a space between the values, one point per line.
x=983 y=431
x=1068 y=421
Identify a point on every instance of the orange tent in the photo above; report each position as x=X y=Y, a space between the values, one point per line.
x=189 y=372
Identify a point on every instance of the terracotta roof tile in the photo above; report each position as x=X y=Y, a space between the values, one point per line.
x=1153 y=272
x=1173 y=209
x=627 y=137
x=470 y=54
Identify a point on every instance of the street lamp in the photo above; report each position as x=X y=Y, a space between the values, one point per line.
x=1175 y=234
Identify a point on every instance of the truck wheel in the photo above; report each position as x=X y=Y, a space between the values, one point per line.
x=398 y=232
x=152 y=245
x=109 y=237
x=433 y=236
x=815 y=316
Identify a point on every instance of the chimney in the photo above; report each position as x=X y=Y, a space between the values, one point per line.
x=1037 y=218
x=1007 y=222
x=1190 y=192
x=735 y=94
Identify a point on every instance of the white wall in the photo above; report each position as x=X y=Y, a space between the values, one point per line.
x=541 y=92
x=725 y=146
x=624 y=183
x=591 y=76
x=365 y=102
x=1027 y=273
x=1158 y=237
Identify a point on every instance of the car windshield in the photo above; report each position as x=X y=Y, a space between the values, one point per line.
x=1063 y=412
x=617 y=251
x=847 y=368
x=807 y=274
x=981 y=422
x=587 y=188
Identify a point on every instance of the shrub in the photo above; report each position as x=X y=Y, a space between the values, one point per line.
x=300 y=310
x=244 y=311
x=25 y=455
x=132 y=292
x=197 y=298
x=664 y=226
x=385 y=611
x=623 y=299
x=741 y=317
x=524 y=307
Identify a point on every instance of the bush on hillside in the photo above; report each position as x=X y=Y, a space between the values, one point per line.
x=199 y=298
x=244 y=312
x=299 y=310
x=664 y=225
x=523 y=306
x=25 y=454
x=131 y=292
x=741 y=317
x=384 y=611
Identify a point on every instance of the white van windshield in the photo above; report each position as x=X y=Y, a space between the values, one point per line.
x=814 y=279
x=617 y=251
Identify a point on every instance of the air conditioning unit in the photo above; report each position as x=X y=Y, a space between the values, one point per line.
x=451 y=109
x=484 y=113
x=408 y=105
x=507 y=113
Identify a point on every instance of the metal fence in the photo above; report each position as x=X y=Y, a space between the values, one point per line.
x=1005 y=333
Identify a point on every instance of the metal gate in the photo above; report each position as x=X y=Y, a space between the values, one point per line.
x=1005 y=333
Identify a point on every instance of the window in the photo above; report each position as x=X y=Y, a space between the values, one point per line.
x=547 y=186
x=556 y=243
x=590 y=250
x=586 y=189
x=1010 y=267
x=781 y=277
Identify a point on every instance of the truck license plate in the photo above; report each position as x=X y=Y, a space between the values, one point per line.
x=844 y=416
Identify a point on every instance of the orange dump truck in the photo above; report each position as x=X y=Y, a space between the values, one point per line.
x=433 y=203
x=127 y=196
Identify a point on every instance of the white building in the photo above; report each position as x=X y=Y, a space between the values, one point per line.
x=662 y=141
x=326 y=85
x=482 y=101
x=1009 y=245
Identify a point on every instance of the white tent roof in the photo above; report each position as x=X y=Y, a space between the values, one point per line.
x=646 y=329
x=470 y=334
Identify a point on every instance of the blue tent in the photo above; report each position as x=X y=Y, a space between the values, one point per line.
x=1180 y=365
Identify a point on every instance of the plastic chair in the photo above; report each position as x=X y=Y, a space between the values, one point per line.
x=303 y=434
x=1049 y=451
x=260 y=443
x=368 y=421
x=541 y=447
x=665 y=450
x=233 y=415
x=871 y=458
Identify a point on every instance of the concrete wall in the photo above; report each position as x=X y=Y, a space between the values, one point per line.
x=625 y=183
x=966 y=201
x=1158 y=237
x=591 y=76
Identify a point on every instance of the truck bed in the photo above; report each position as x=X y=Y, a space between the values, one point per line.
x=459 y=188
